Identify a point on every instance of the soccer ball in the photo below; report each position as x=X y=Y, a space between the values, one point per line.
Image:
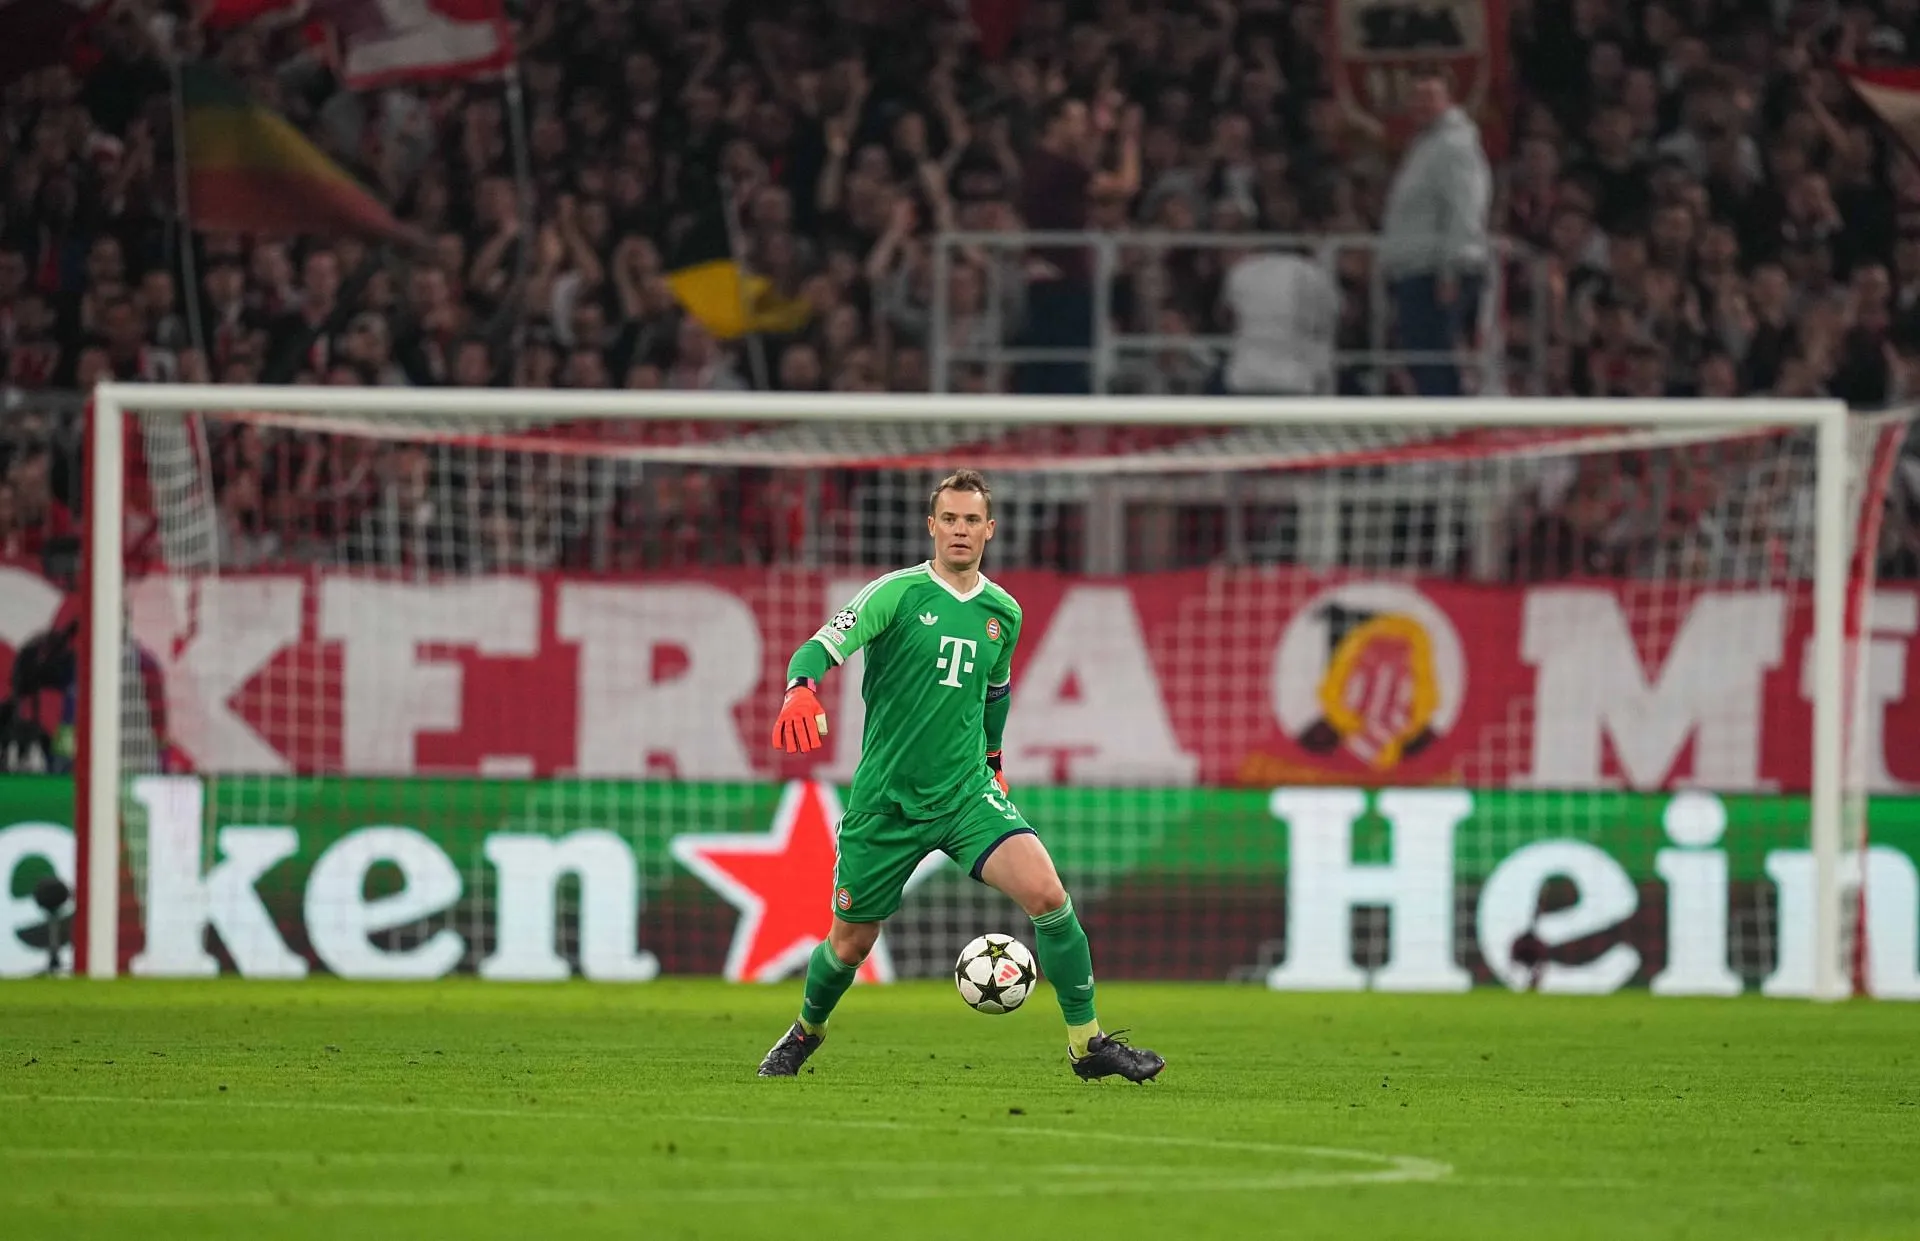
x=995 y=974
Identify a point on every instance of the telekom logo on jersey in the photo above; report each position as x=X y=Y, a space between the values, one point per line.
x=959 y=661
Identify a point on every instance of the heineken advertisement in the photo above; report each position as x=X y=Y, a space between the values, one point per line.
x=1419 y=889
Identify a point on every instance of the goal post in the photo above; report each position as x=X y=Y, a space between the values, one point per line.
x=97 y=780
x=1349 y=473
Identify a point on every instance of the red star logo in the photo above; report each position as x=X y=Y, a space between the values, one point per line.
x=782 y=884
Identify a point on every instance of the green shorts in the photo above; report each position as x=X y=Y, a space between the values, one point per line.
x=878 y=853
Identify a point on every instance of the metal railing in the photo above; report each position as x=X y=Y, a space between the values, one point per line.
x=1487 y=359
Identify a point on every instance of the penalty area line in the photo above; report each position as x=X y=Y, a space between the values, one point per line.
x=305 y=1105
x=496 y=1197
x=1387 y=1168
x=1381 y=1168
x=480 y=1195
x=1150 y=1139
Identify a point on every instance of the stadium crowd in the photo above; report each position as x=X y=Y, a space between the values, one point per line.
x=1709 y=211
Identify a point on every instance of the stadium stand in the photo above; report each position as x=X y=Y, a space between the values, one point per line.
x=1707 y=210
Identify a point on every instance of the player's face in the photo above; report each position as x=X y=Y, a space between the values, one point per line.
x=960 y=528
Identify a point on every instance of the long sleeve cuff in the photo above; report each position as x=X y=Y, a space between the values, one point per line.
x=996 y=714
x=809 y=661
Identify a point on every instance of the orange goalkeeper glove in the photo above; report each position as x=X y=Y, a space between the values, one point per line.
x=802 y=721
x=993 y=765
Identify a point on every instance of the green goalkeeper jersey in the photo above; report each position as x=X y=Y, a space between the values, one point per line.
x=932 y=654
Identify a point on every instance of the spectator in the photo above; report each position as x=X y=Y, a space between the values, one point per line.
x=367 y=351
x=243 y=540
x=800 y=369
x=128 y=354
x=302 y=334
x=165 y=328
x=909 y=373
x=34 y=354
x=1061 y=177
x=410 y=526
x=1171 y=369
x=40 y=514
x=677 y=526
x=13 y=531
x=1283 y=308
x=13 y=286
x=1434 y=245
x=698 y=362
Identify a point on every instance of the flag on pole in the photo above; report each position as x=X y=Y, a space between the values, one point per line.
x=712 y=286
x=1893 y=96
x=388 y=41
x=250 y=171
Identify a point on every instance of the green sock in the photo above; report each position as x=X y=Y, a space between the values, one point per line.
x=1067 y=962
x=828 y=978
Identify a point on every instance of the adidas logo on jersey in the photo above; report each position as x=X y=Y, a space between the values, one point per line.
x=928 y=618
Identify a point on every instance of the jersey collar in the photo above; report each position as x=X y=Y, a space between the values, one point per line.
x=948 y=586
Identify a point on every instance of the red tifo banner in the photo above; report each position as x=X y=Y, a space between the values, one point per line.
x=1893 y=96
x=1376 y=47
x=1244 y=677
x=387 y=41
x=381 y=42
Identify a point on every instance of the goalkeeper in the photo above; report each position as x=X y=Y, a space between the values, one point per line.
x=939 y=639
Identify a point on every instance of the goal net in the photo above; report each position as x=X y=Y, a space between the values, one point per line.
x=1395 y=694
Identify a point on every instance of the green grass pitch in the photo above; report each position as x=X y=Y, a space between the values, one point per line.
x=475 y=1111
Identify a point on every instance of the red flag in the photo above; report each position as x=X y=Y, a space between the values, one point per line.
x=386 y=41
x=1893 y=96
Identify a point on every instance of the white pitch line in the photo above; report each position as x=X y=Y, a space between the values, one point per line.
x=54 y=1154
x=307 y=1105
x=1387 y=1169
x=482 y=1195
x=1435 y=1169
x=1548 y=1182
x=693 y=1160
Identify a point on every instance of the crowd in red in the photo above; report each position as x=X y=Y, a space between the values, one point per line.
x=1713 y=213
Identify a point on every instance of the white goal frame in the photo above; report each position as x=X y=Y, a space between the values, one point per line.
x=98 y=785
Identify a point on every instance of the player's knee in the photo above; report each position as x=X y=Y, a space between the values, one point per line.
x=1049 y=897
x=852 y=941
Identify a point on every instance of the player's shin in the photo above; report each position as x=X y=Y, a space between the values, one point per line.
x=1066 y=960
x=828 y=978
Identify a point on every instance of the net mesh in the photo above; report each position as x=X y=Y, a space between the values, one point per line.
x=1328 y=704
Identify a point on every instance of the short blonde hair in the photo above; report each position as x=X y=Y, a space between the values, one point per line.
x=961 y=480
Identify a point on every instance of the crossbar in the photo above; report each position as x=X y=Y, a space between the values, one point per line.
x=1056 y=410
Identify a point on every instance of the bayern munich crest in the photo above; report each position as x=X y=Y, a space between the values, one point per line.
x=1371 y=668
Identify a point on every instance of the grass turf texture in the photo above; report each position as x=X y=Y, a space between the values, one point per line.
x=477 y=1111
